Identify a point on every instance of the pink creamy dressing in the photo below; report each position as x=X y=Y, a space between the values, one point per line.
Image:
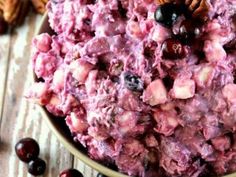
x=182 y=123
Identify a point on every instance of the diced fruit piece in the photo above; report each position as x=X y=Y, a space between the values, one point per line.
x=76 y=123
x=166 y=122
x=80 y=69
x=160 y=33
x=167 y=14
x=221 y=143
x=173 y=49
x=43 y=42
x=183 y=88
x=126 y=121
x=71 y=173
x=214 y=51
x=90 y=83
x=133 y=82
x=97 y=46
x=45 y=65
x=204 y=75
x=229 y=92
x=27 y=149
x=155 y=93
x=39 y=93
x=37 y=167
x=58 y=79
x=133 y=29
x=189 y=30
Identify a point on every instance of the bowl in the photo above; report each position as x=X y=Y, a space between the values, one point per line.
x=62 y=132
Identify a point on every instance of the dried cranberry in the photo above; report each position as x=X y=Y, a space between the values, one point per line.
x=167 y=14
x=27 y=149
x=37 y=167
x=71 y=173
x=173 y=49
x=133 y=82
x=189 y=30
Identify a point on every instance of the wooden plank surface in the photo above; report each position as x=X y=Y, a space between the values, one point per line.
x=19 y=118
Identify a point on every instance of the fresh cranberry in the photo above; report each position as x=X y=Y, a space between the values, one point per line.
x=71 y=173
x=27 y=149
x=167 y=14
x=189 y=30
x=101 y=175
x=173 y=49
x=37 y=167
x=3 y=26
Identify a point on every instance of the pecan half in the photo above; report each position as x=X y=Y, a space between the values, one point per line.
x=199 y=8
x=11 y=10
x=164 y=1
x=39 y=5
x=14 y=11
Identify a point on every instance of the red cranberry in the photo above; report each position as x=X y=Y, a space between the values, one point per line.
x=173 y=49
x=37 y=167
x=27 y=149
x=101 y=175
x=71 y=173
x=3 y=26
x=189 y=30
x=167 y=14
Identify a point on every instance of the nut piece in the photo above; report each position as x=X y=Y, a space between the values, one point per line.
x=199 y=8
x=11 y=10
x=39 y=5
x=164 y=1
x=14 y=11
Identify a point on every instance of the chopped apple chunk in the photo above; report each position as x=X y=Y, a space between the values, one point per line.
x=183 y=89
x=155 y=93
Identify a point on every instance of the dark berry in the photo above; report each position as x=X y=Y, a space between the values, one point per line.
x=3 y=26
x=36 y=167
x=167 y=14
x=189 y=30
x=173 y=49
x=71 y=173
x=133 y=82
x=101 y=175
x=27 y=149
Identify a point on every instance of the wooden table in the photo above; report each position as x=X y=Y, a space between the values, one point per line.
x=19 y=118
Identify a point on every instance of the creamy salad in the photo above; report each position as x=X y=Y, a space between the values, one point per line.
x=143 y=85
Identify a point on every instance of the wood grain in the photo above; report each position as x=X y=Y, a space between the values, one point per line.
x=4 y=62
x=20 y=118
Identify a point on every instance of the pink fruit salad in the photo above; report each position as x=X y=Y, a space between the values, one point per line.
x=143 y=86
